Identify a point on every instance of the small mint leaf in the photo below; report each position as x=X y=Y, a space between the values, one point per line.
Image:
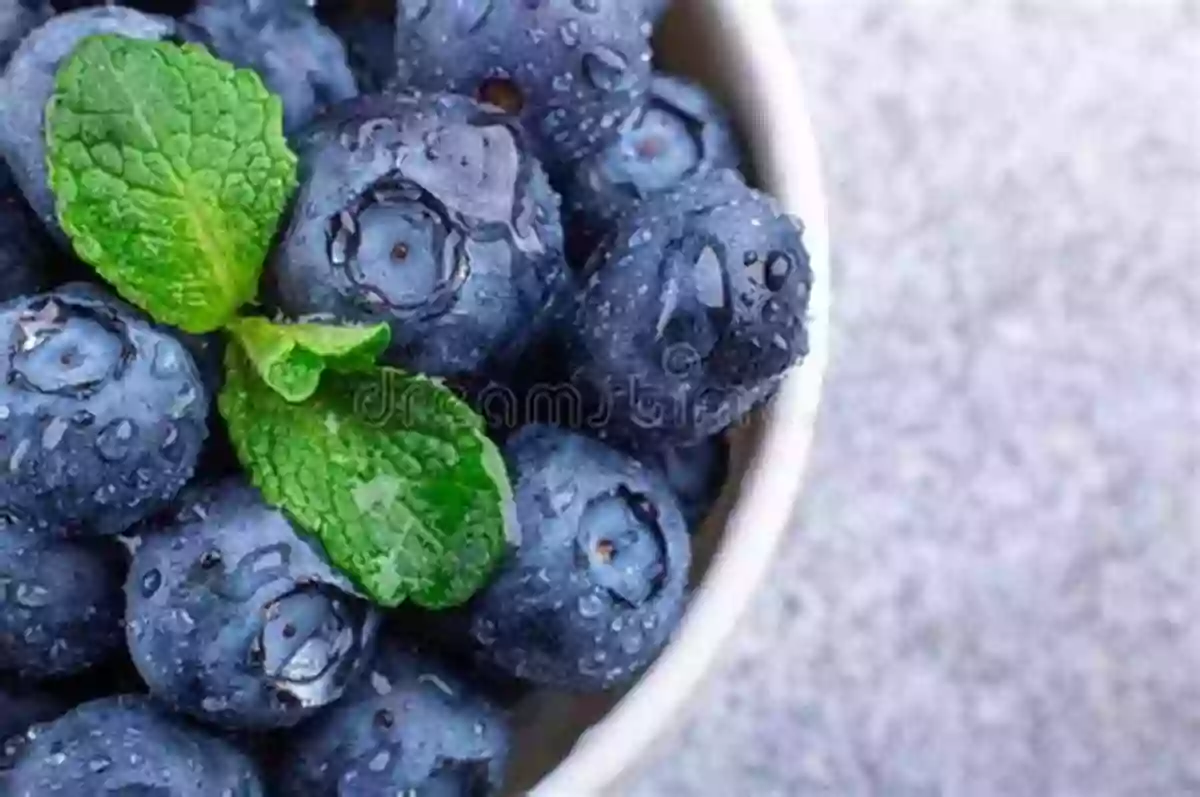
x=170 y=173
x=290 y=358
x=391 y=472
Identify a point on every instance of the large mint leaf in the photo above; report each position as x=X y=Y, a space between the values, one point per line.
x=170 y=173
x=392 y=472
x=290 y=358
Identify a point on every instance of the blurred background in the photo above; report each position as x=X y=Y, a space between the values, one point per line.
x=993 y=589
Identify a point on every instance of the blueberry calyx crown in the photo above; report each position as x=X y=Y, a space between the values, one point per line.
x=67 y=349
x=623 y=545
x=398 y=224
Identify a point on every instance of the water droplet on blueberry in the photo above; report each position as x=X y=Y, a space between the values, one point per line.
x=606 y=69
x=590 y=606
x=116 y=439
x=171 y=448
x=52 y=435
x=184 y=399
x=32 y=596
x=151 y=582
x=569 y=32
x=709 y=275
x=778 y=269
x=166 y=363
x=343 y=238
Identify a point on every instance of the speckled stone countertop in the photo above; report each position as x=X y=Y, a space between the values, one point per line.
x=993 y=589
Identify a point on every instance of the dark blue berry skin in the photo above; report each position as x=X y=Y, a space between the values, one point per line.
x=695 y=474
x=128 y=746
x=657 y=9
x=693 y=311
x=297 y=57
x=102 y=415
x=429 y=213
x=411 y=727
x=235 y=619
x=61 y=604
x=174 y=8
x=679 y=133
x=574 y=69
x=17 y=19
x=370 y=50
x=28 y=82
x=21 y=708
x=597 y=585
x=24 y=250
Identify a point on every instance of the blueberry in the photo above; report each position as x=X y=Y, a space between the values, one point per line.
x=24 y=251
x=28 y=82
x=427 y=212
x=17 y=19
x=694 y=310
x=102 y=416
x=298 y=58
x=678 y=133
x=128 y=747
x=695 y=474
x=412 y=727
x=597 y=585
x=573 y=69
x=234 y=618
x=61 y=605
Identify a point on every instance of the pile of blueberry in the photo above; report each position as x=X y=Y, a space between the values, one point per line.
x=547 y=224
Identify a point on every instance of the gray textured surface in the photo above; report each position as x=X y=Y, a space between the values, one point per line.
x=994 y=587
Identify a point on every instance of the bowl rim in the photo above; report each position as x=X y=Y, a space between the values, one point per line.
x=772 y=102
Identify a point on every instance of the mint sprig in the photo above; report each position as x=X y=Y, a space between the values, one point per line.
x=290 y=358
x=391 y=471
x=171 y=172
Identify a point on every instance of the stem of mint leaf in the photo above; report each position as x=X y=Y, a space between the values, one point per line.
x=392 y=472
x=290 y=358
x=170 y=172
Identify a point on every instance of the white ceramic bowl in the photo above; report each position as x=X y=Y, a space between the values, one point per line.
x=578 y=747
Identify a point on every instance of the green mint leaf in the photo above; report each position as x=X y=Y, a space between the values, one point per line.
x=170 y=173
x=392 y=472
x=290 y=358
